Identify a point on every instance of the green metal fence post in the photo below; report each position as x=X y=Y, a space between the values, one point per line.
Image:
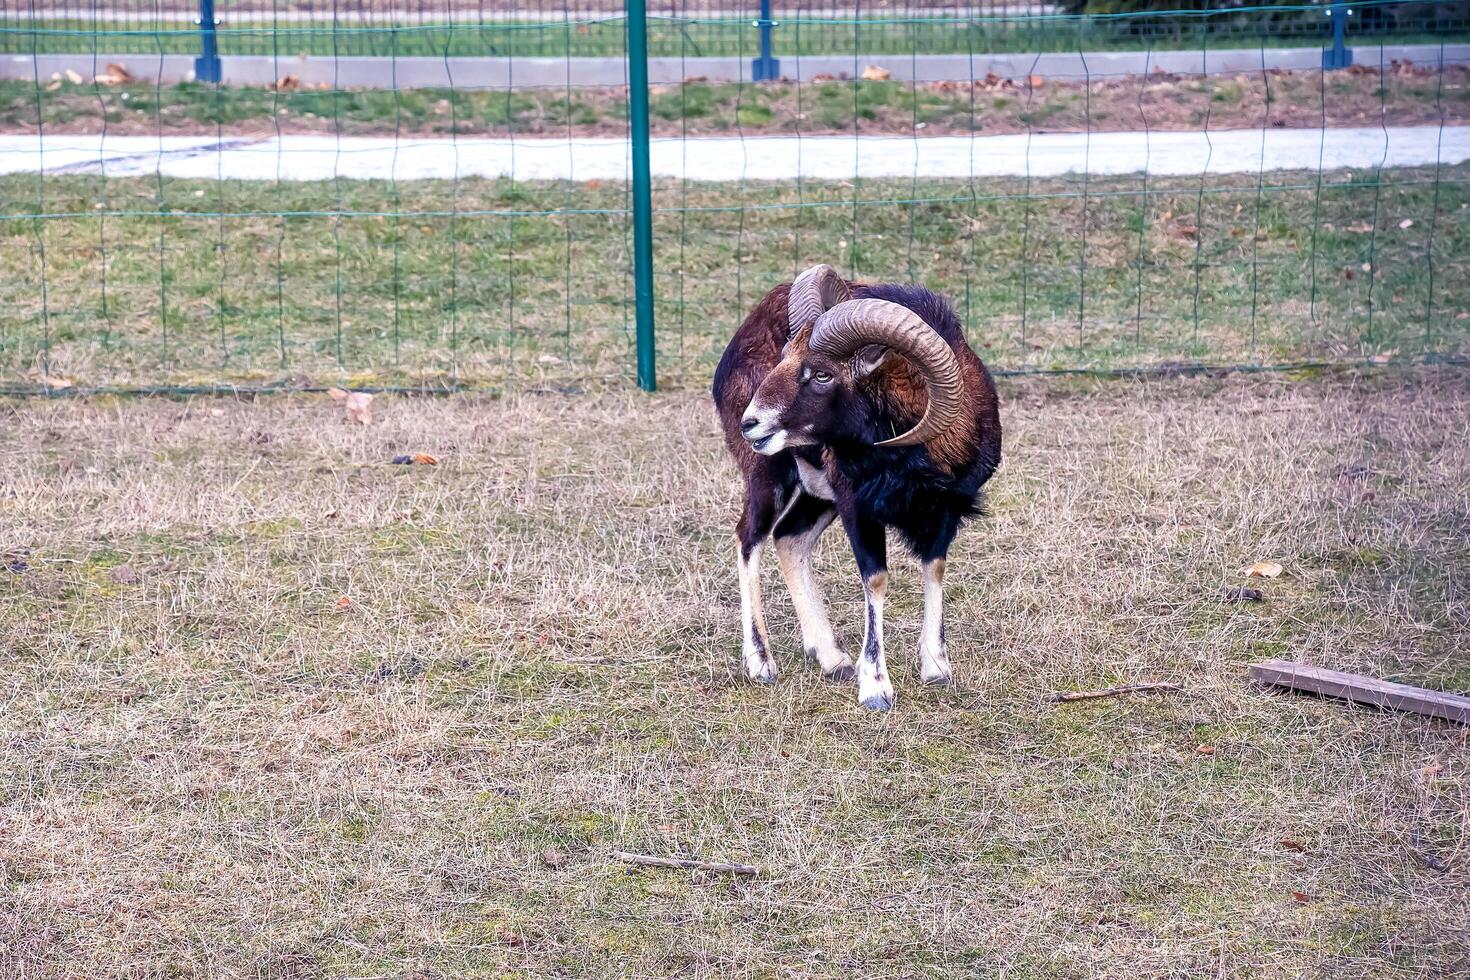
x=642 y=192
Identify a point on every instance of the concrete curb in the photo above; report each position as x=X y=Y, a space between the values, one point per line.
x=500 y=73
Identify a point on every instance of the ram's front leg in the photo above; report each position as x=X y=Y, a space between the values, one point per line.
x=875 y=689
x=796 y=537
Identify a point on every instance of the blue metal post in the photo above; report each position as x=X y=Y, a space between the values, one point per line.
x=1339 y=55
x=765 y=68
x=206 y=66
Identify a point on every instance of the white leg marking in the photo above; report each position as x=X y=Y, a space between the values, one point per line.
x=933 y=658
x=795 y=555
x=875 y=690
x=760 y=666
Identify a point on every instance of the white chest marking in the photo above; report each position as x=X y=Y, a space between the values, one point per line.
x=813 y=480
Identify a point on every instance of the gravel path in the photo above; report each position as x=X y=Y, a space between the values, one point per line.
x=725 y=159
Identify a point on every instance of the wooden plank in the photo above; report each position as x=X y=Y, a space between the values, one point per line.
x=1365 y=690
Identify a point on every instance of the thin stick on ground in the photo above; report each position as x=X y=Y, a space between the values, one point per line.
x=651 y=861
x=1112 y=692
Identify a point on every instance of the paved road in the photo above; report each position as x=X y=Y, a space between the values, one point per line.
x=727 y=159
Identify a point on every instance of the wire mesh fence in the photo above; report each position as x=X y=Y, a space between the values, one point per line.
x=440 y=195
x=595 y=28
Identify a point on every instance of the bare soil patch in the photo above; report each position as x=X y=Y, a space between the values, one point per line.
x=1401 y=94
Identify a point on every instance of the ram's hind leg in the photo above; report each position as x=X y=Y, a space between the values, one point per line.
x=796 y=537
x=755 y=524
x=933 y=657
x=934 y=665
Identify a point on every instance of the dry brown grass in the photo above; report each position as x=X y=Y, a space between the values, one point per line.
x=212 y=770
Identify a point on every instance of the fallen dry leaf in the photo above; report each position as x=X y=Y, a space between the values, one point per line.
x=287 y=83
x=1037 y=81
x=1303 y=897
x=1292 y=845
x=1262 y=569
x=1407 y=223
x=1430 y=861
x=1205 y=750
x=343 y=602
x=357 y=406
x=53 y=86
x=73 y=77
x=876 y=73
x=115 y=74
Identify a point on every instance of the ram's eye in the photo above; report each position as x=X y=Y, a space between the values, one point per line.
x=822 y=378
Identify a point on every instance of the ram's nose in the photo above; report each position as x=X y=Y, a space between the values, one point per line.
x=749 y=425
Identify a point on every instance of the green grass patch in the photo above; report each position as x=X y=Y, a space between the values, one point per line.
x=494 y=283
x=581 y=35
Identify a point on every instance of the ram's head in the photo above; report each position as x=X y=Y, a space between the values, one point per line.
x=835 y=343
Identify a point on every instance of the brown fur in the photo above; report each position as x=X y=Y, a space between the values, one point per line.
x=762 y=351
x=757 y=346
x=899 y=387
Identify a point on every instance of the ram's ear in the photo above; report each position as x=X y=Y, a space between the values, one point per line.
x=868 y=359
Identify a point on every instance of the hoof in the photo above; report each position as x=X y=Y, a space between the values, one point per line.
x=760 y=671
x=938 y=680
x=877 y=702
x=766 y=676
x=845 y=674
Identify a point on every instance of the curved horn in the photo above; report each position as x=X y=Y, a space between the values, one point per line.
x=846 y=328
x=814 y=292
